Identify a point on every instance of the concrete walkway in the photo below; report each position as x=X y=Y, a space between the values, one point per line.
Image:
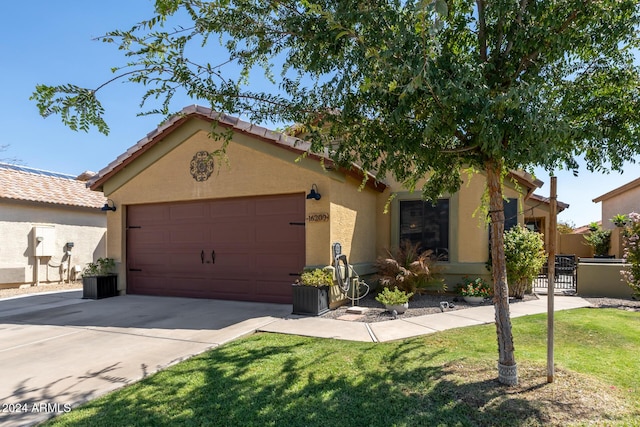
x=412 y=326
x=58 y=350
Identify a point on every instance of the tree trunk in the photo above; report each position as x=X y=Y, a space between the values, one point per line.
x=507 y=368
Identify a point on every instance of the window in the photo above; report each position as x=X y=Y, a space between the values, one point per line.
x=427 y=225
x=535 y=224
x=510 y=213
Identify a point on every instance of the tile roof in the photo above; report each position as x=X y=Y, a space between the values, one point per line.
x=35 y=185
x=276 y=138
x=542 y=199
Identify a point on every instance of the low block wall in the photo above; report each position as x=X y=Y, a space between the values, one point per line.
x=602 y=279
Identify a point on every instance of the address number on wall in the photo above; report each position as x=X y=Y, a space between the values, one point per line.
x=318 y=217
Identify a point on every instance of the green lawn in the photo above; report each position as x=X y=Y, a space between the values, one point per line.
x=445 y=379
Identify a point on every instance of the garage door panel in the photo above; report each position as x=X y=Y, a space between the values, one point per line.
x=230 y=209
x=279 y=233
x=148 y=237
x=149 y=214
x=268 y=263
x=275 y=206
x=225 y=234
x=187 y=212
x=189 y=234
x=256 y=249
x=273 y=291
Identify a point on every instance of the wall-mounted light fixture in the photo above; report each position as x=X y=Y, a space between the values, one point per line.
x=109 y=206
x=313 y=194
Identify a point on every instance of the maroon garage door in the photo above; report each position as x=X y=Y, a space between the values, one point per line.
x=241 y=249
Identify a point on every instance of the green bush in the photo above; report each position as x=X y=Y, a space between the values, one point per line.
x=393 y=297
x=525 y=256
x=316 y=277
x=102 y=267
x=599 y=240
x=631 y=256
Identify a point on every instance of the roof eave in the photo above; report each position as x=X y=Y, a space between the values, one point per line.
x=235 y=124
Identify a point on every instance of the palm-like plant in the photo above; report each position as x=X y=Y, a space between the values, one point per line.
x=409 y=269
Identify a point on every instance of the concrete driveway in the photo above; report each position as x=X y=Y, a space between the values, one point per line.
x=58 y=350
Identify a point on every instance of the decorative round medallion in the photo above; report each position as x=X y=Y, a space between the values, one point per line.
x=201 y=166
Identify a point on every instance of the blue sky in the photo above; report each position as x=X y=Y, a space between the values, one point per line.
x=52 y=42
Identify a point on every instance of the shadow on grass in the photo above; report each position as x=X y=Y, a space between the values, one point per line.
x=295 y=381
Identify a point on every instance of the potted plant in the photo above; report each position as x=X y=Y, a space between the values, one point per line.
x=474 y=291
x=311 y=292
x=395 y=299
x=620 y=220
x=593 y=226
x=99 y=279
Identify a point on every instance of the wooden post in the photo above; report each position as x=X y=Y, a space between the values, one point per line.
x=553 y=227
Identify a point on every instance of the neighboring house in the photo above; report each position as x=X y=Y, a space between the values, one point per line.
x=188 y=225
x=619 y=201
x=51 y=225
x=622 y=200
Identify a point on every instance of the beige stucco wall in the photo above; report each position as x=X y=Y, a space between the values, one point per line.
x=623 y=204
x=574 y=244
x=353 y=222
x=86 y=228
x=252 y=167
x=468 y=229
x=617 y=240
x=602 y=280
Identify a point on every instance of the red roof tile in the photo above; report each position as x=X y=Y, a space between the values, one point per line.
x=34 y=185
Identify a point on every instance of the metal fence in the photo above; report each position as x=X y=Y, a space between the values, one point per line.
x=566 y=274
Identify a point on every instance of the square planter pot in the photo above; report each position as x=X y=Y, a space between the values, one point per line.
x=310 y=300
x=98 y=287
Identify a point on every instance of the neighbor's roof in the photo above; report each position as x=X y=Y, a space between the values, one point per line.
x=34 y=185
x=279 y=139
x=626 y=187
x=561 y=205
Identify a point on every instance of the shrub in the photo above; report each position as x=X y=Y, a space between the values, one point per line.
x=525 y=256
x=316 y=277
x=631 y=254
x=393 y=297
x=409 y=269
x=102 y=267
x=599 y=240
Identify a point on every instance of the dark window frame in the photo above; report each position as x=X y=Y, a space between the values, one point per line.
x=422 y=222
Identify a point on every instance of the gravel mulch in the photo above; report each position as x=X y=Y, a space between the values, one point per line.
x=619 y=303
x=420 y=305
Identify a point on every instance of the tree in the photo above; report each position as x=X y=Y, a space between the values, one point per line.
x=415 y=88
x=566 y=227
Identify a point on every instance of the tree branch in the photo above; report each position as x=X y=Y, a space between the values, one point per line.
x=482 y=28
x=527 y=60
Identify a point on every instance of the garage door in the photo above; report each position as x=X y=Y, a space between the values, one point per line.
x=246 y=249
